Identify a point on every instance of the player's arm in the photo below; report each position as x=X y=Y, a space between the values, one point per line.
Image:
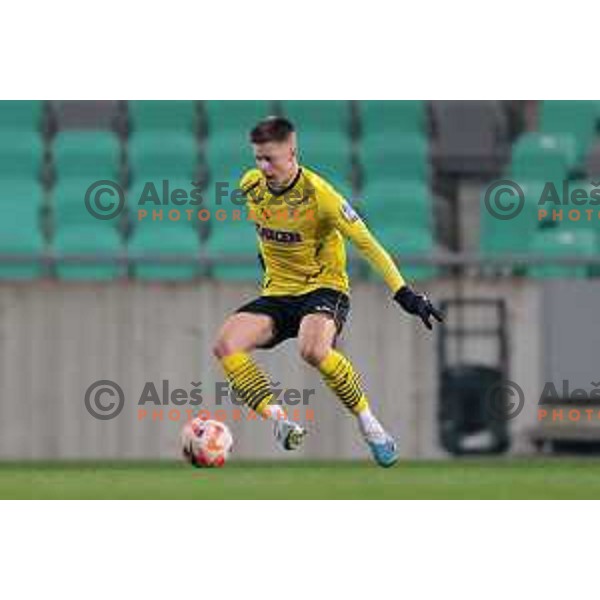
x=347 y=221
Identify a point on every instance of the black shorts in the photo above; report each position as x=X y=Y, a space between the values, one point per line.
x=288 y=311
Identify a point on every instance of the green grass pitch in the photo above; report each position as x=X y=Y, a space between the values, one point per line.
x=469 y=479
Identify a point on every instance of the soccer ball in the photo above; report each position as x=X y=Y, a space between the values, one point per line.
x=206 y=443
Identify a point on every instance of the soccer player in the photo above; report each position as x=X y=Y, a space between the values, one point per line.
x=301 y=221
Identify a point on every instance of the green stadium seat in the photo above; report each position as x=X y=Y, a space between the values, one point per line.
x=20 y=234
x=402 y=157
x=399 y=242
x=318 y=115
x=21 y=154
x=69 y=204
x=558 y=242
x=20 y=115
x=228 y=240
x=92 y=154
x=405 y=205
x=510 y=236
x=539 y=156
x=575 y=117
x=163 y=115
x=169 y=240
x=155 y=155
x=16 y=192
x=328 y=154
x=92 y=240
x=235 y=115
x=392 y=116
x=228 y=156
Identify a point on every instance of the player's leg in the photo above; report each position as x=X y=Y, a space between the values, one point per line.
x=241 y=334
x=316 y=339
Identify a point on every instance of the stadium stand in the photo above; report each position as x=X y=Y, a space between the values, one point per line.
x=575 y=118
x=87 y=154
x=165 y=154
x=163 y=116
x=558 y=242
x=470 y=138
x=401 y=163
x=238 y=116
x=20 y=228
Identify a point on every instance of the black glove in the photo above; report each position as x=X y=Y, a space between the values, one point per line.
x=418 y=304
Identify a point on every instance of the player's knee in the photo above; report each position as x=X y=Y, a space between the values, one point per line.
x=314 y=354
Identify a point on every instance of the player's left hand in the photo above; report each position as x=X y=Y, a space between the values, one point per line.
x=418 y=304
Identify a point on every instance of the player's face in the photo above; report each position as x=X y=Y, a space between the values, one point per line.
x=276 y=160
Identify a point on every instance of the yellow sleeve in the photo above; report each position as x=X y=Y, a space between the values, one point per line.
x=342 y=216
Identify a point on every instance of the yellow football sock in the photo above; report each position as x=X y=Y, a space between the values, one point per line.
x=340 y=376
x=248 y=380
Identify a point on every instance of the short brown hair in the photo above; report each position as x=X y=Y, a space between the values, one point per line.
x=272 y=129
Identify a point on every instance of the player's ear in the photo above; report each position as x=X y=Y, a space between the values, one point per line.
x=293 y=146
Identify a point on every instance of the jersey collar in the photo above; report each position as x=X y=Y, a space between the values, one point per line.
x=288 y=187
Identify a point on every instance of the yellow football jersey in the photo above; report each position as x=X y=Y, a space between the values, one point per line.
x=300 y=231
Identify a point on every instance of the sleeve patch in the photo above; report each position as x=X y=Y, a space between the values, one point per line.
x=348 y=212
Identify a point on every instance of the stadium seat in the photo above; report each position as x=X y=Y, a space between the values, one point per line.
x=69 y=204
x=16 y=192
x=20 y=231
x=163 y=115
x=92 y=240
x=21 y=154
x=403 y=205
x=235 y=115
x=557 y=242
x=318 y=115
x=543 y=157
x=399 y=242
x=398 y=157
x=510 y=236
x=155 y=155
x=575 y=117
x=392 y=116
x=228 y=155
x=328 y=154
x=167 y=239
x=92 y=154
x=20 y=115
x=228 y=238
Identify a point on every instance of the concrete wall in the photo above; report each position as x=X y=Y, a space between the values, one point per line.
x=57 y=339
